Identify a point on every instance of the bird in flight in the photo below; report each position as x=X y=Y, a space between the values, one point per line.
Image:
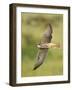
x=44 y=45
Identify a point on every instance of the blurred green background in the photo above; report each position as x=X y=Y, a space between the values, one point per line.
x=33 y=26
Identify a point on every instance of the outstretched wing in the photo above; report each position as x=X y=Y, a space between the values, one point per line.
x=47 y=36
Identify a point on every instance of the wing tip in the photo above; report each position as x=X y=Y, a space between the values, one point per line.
x=34 y=68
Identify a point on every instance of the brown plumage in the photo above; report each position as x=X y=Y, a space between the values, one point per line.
x=47 y=36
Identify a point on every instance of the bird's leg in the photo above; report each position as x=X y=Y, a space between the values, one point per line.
x=53 y=45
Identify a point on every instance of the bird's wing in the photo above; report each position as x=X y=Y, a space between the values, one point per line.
x=47 y=36
x=40 y=57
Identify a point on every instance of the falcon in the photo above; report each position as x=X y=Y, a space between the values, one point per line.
x=44 y=45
